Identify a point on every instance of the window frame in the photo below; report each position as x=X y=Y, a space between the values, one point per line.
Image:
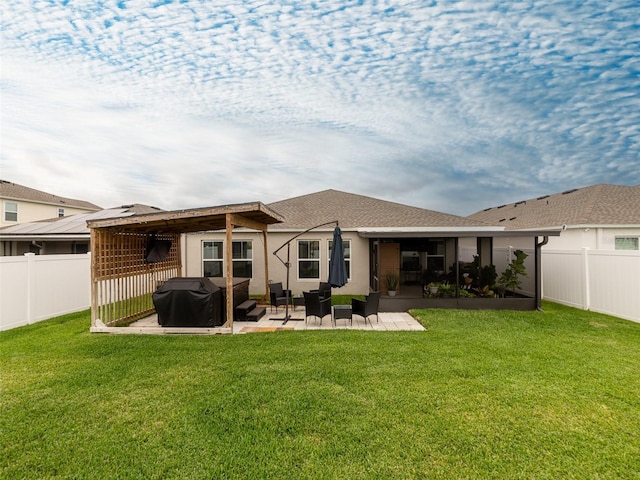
x=6 y=211
x=238 y=260
x=632 y=239
x=300 y=259
x=60 y=212
x=222 y=260
x=217 y=260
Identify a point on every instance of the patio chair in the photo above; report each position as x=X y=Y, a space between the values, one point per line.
x=324 y=289
x=277 y=295
x=366 y=308
x=316 y=306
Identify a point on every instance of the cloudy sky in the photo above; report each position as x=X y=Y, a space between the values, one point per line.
x=451 y=106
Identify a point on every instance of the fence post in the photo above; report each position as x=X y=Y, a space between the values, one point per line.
x=31 y=280
x=585 y=276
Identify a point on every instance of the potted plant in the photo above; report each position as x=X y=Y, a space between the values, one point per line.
x=392 y=283
x=433 y=288
x=445 y=290
x=510 y=278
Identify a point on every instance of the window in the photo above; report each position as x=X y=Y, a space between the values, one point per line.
x=60 y=212
x=10 y=211
x=309 y=259
x=213 y=259
x=242 y=259
x=435 y=257
x=347 y=255
x=627 y=243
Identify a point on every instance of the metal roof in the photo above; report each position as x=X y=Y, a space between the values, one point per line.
x=73 y=226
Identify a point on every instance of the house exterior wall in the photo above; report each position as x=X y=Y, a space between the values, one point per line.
x=12 y=248
x=595 y=238
x=358 y=283
x=503 y=248
x=33 y=211
x=44 y=247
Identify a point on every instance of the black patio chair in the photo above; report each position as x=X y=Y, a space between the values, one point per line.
x=316 y=306
x=277 y=295
x=366 y=308
x=324 y=289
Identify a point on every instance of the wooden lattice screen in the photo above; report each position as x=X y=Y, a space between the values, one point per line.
x=122 y=280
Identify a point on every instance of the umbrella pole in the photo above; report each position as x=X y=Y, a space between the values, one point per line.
x=287 y=264
x=286 y=293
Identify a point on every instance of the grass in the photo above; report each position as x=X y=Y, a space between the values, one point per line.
x=552 y=394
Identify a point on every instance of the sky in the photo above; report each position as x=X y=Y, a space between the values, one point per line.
x=451 y=106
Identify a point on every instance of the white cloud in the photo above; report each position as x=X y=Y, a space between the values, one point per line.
x=191 y=103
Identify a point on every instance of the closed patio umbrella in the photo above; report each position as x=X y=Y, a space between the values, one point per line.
x=337 y=266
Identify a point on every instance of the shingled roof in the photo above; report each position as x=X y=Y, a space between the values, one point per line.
x=358 y=211
x=14 y=191
x=600 y=204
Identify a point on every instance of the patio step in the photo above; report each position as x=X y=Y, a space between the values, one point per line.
x=255 y=314
x=243 y=309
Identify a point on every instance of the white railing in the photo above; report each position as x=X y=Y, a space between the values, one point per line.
x=37 y=287
x=605 y=281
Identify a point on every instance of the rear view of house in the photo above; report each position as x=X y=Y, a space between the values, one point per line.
x=381 y=239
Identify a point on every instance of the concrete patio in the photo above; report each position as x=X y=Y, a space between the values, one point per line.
x=273 y=321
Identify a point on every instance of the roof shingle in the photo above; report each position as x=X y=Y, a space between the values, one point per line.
x=600 y=204
x=15 y=191
x=358 y=211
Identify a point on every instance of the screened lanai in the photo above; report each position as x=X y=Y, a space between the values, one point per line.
x=132 y=256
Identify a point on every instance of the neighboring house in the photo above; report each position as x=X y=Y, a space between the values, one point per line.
x=417 y=244
x=56 y=236
x=23 y=204
x=595 y=262
x=600 y=217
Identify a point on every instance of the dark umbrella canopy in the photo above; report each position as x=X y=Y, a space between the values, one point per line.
x=337 y=267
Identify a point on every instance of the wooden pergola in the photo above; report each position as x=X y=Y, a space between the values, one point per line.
x=122 y=278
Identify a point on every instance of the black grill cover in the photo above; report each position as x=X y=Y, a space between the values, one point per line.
x=188 y=302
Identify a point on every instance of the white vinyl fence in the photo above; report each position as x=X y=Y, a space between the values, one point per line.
x=37 y=287
x=605 y=281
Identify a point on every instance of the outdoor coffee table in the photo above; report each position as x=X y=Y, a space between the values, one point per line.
x=298 y=302
x=342 y=311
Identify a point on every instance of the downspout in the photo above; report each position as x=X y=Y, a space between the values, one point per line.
x=457 y=267
x=538 y=251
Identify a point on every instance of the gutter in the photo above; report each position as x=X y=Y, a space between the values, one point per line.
x=538 y=273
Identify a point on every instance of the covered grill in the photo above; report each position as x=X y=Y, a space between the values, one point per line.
x=189 y=302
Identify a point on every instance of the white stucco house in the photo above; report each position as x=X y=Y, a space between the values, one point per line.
x=380 y=236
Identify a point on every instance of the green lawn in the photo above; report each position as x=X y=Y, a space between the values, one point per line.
x=477 y=395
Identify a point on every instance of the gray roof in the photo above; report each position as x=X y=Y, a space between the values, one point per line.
x=600 y=204
x=73 y=225
x=357 y=211
x=13 y=191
